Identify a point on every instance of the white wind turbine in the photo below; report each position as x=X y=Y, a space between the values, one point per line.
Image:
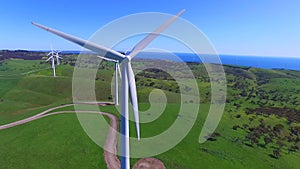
x=52 y=58
x=57 y=57
x=53 y=55
x=117 y=70
x=128 y=79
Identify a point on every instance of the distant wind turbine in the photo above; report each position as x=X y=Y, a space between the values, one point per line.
x=128 y=79
x=53 y=55
x=57 y=58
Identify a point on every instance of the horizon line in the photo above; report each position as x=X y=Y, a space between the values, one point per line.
x=178 y=52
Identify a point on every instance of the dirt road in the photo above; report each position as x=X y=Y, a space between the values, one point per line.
x=110 y=147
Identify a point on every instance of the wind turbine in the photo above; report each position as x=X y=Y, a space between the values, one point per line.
x=52 y=58
x=117 y=70
x=128 y=79
x=55 y=54
x=57 y=57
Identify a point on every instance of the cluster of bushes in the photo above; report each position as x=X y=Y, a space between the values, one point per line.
x=279 y=136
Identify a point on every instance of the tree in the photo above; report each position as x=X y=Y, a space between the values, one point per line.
x=280 y=144
x=246 y=126
x=294 y=148
x=276 y=153
x=267 y=140
x=238 y=116
x=252 y=138
x=278 y=128
x=235 y=127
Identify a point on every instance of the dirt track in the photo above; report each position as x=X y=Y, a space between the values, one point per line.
x=110 y=147
x=111 y=159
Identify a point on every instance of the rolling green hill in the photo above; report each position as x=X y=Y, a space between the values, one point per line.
x=260 y=127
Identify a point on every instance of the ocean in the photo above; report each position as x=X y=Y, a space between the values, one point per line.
x=290 y=63
x=269 y=62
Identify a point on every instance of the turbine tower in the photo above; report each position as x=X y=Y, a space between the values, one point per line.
x=117 y=70
x=128 y=79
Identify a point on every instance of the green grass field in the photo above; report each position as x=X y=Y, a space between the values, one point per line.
x=59 y=141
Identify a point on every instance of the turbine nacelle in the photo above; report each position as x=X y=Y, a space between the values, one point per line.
x=126 y=53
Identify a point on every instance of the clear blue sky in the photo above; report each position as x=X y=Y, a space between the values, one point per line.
x=241 y=27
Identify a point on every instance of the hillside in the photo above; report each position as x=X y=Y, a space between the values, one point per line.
x=260 y=127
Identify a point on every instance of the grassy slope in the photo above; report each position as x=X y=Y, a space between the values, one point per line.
x=59 y=141
x=52 y=142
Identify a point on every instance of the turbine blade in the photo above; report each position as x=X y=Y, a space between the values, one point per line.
x=149 y=38
x=48 y=59
x=133 y=98
x=118 y=67
x=103 y=51
x=107 y=59
x=57 y=61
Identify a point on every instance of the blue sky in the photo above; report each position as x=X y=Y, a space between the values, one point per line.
x=241 y=27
